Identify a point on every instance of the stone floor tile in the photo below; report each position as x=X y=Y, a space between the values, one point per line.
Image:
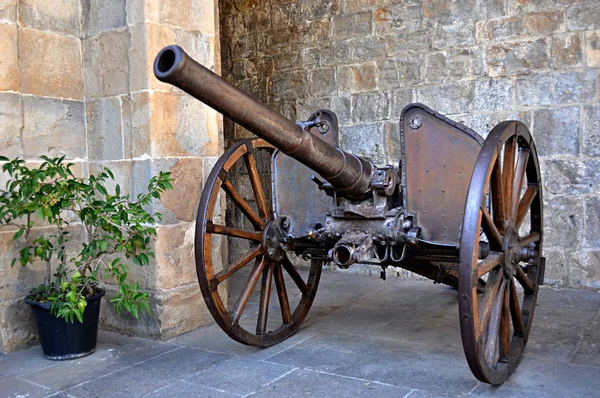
x=185 y=389
x=24 y=361
x=588 y=352
x=354 y=318
x=538 y=378
x=415 y=366
x=149 y=376
x=240 y=375
x=13 y=387
x=213 y=338
x=305 y=383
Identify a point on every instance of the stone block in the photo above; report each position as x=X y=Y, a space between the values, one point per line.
x=486 y=9
x=447 y=12
x=290 y=85
x=484 y=123
x=306 y=107
x=175 y=265
x=583 y=15
x=191 y=15
x=136 y=124
x=556 y=88
x=392 y=18
x=357 y=78
x=179 y=126
x=8 y=11
x=592 y=48
x=448 y=99
x=400 y=98
x=572 y=177
x=17 y=325
x=592 y=221
x=183 y=199
x=458 y=34
x=500 y=29
x=102 y=15
x=544 y=23
x=400 y=43
x=57 y=16
x=59 y=75
x=393 y=144
x=493 y=94
x=315 y=9
x=310 y=57
x=556 y=131
x=53 y=127
x=106 y=68
x=350 y=6
x=353 y=25
x=9 y=63
x=334 y=53
x=315 y=32
x=557 y=268
x=563 y=222
x=256 y=20
x=321 y=82
x=365 y=140
x=181 y=310
x=342 y=106
x=11 y=123
x=368 y=49
x=402 y=72
x=451 y=65
x=370 y=107
x=104 y=129
x=591 y=130
x=518 y=58
x=567 y=51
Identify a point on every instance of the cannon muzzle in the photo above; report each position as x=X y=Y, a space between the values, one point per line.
x=349 y=175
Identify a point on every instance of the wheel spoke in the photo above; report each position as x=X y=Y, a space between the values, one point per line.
x=524 y=204
x=265 y=294
x=232 y=268
x=531 y=238
x=508 y=170
x=490 y=229
x=522 y=160
x=256 y=185
x=259 y=265
x=489 y=298
x=295 y=276
x=515 y=310
x=505 y=326
x=286 y=314
x=494 y=326
x=497 y=196
x=524 y=279
x=487 y=264
x=237 y=233
x=242 y=204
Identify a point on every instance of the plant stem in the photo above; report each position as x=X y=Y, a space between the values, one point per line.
x=48 y=273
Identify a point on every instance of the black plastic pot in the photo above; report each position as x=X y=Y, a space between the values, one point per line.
x=62 y=340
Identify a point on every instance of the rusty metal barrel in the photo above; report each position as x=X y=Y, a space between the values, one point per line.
x=350 y=175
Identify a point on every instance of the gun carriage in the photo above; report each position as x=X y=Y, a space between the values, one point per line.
x=456 y=208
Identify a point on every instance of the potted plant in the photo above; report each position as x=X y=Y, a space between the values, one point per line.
x=48 y=207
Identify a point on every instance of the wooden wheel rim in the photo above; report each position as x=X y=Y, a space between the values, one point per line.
x=493 y=361
x=269 y=269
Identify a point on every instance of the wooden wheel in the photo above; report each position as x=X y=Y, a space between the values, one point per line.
x=261 y=254
x=498 y=291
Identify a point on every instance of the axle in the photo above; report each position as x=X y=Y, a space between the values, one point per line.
x=349 y=175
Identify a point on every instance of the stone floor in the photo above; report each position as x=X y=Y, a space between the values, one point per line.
x=364 y=337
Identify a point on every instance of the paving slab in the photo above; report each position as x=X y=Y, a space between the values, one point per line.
x=146 y=377
x=363 y=337
x=305 y=383
x=240 y=375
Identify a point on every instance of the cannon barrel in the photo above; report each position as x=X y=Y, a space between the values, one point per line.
x=349 y=175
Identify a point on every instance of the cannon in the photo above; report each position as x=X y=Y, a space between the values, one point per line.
x=455 y=208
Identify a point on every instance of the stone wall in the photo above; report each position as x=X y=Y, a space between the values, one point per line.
x=76 y=80
x=477 y=61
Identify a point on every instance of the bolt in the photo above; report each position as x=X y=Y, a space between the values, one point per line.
x=285 y=222
x=416 y=122
x=271 y=252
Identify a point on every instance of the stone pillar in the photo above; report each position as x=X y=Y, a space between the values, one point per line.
x=76 y=80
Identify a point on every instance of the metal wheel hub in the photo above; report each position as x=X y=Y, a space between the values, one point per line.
x=511 y=250
x=270 y=242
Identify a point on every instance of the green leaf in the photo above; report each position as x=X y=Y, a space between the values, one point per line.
x=76 y=277
x=18 y=234
x=63 y=286
x=81 y=304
